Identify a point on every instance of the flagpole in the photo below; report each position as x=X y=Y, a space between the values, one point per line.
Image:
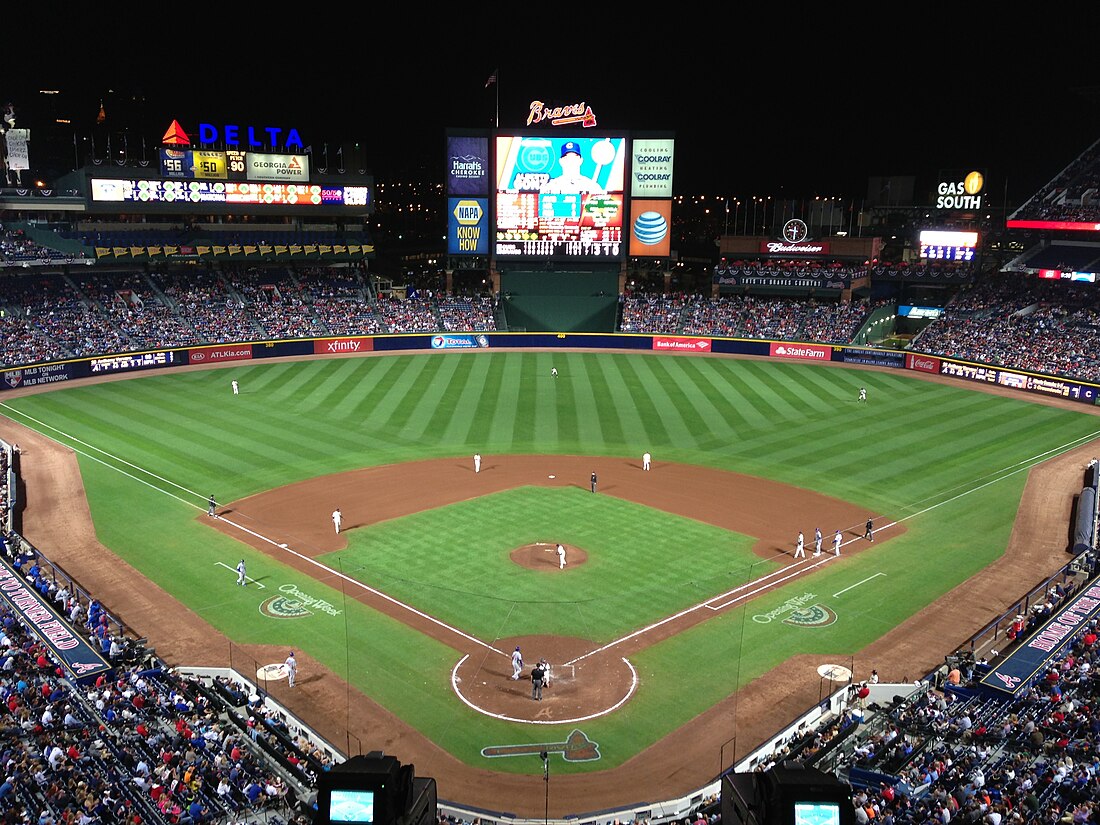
x=496 y=118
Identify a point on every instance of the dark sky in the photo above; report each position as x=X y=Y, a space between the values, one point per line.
x=786 y=110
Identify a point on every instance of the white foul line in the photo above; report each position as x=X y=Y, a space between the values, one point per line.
x=857 y=584
x=1023 y=464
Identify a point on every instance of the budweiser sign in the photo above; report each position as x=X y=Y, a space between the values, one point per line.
x=781 y=248
x=682 y=344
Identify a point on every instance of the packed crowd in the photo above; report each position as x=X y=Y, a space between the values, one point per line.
x=1071 y=195
x=50 y=319
x=143 y=744
x=955 y=753
x=1021 y=322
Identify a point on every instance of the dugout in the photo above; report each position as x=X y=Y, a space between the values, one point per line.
x=549 y=300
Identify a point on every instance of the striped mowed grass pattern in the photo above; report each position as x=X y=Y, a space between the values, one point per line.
x=913 y=446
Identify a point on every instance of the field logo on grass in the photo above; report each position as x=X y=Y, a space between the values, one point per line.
x=576 y=748
x=292 y=603
x=802 y=613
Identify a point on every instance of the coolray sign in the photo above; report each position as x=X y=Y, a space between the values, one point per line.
x=810 y=352
x=651 y=168
x=33 y=611
x=923 y=363
x=228 y=352
x=336 y=346
x=682 y=344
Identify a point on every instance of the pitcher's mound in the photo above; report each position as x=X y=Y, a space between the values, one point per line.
x=544 y=556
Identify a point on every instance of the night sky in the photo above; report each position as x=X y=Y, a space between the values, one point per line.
x=787 y=111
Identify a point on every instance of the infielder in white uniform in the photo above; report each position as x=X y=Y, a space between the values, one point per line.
x=337 y=517
x=646 y=457
x=800 y=546
x=477 y=462
x=836 y=543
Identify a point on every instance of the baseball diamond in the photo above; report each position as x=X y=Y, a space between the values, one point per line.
x=403 y=622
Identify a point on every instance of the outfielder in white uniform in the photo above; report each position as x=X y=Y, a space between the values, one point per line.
x=517 y=664
x=236 y=389
x=337 y=517
x=800 y=546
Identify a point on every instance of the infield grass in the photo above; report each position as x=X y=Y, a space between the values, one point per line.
x=949 y=461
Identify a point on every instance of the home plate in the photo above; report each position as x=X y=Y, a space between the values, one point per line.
x=551 y=476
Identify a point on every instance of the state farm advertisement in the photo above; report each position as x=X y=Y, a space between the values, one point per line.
x=805 y=352
x=682 y=344
x=335 y=346
x=216 y=355
x=924 y=363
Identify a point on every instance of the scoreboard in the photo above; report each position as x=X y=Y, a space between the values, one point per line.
x=232 y=165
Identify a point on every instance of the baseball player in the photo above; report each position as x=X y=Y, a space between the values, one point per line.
x=800 y=546
x=646 y=457
x=862 y=394
x=554 y=372
x=291 y=665
x=869 y=532
x=593 y=482
x=561 y=556
x=817 y=541
x=517 y=664
x=337 y=517
x=836 y=543
x=477 y=462
x=242 y=579
x=236 y=389
x=211 y=506
x=545 y=665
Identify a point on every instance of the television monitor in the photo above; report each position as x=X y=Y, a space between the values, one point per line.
x=816 y=813
x=559 y=196
x=351 y=805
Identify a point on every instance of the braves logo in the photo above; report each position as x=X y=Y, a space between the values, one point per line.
x=1010 y=682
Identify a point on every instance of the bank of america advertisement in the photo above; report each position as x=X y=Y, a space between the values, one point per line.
x=467 y=226
x=650 y=228
x=467 y=165
x=651 y=168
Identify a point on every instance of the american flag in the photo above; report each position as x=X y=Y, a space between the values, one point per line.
x=492 y=79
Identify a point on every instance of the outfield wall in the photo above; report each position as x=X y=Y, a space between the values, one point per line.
x=1029 y=382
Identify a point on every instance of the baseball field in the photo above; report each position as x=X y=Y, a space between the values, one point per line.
x=681 y=631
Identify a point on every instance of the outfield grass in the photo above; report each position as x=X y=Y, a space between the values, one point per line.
x=949 y=461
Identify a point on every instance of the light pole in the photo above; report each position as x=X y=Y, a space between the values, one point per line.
x=545 y=757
